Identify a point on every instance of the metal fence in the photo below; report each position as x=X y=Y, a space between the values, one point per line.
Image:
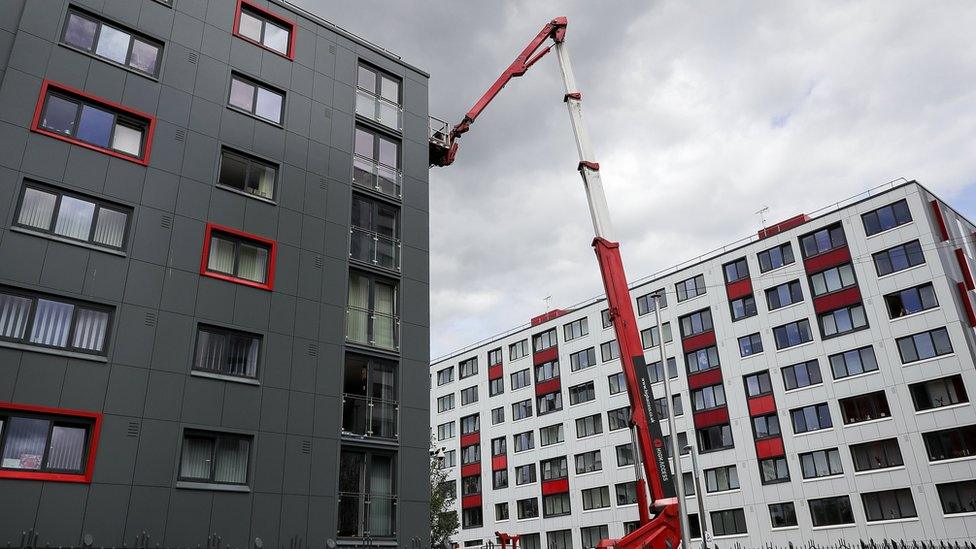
x=32 y=539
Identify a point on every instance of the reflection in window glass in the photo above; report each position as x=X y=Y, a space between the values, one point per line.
x=276 y=37
x=144 y=56
x=250 y=26
x=59 y=115
x=268 y=105
x=127 y=140
x=95 y=125
x=112 y=44
x=37 y=208
x=24 y=444
x=80 y=31
x=241 y=94
x=74 y=218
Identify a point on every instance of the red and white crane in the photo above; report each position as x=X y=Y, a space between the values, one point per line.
x=660 y=528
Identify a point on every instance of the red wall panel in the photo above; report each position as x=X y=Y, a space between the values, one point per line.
x=739 y=288
x=837 y=300
x=967 y=274
x=548 y=386
x=499 y=462
x=762 y=405
x=547 y=355
x=699 y=341
x=471 y=469
x=939 y=220
x=495 y=372
x=770 y=447
x=706 y=378
x=711 y=417
x=470 y=438
x=827 y=260
x=474 y=500
x=967 y=304
x=557 y=486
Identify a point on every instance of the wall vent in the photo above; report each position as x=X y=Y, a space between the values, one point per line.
x=306 y=447
x=192 y=57
x=151 y=319
x=180 y=135
x=166 y=222
x=328 y=113
x=313 y=349
x=323 y=183
x=332 y=49
x=319 y=261
x=133 y=429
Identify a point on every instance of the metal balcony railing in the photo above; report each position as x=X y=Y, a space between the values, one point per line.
x=370 y=417
x=366 y=515
x=375 y=108
x=372 y=328
x=383 y=179
x=373 y=248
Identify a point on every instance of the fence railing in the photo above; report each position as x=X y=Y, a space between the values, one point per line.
x=369 y=417
x=373 y=248
x=383 y=179
x=379 y=110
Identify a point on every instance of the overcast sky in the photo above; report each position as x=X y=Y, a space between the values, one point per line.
x=701 y=113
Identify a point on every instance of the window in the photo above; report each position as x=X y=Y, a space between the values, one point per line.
x=775 y=257
x=449 y=460
x=375 y=233
x=605 y=318
x=445 y=403
x=236 y=256
x=214 y=458
x=822 y=241
x=42 y=320
x=889 y=505
x=545 y=340
x=866 y=407
x=525 y=474
x=498 y=446
x=468 y=367
x=496 y=386
x=582 y=359
x=843 y=321
x=470 y=424
x=886 y=217
x=561 y=539
x=766 y=426
x=445 y=430
x=750 y=345
x=804 y=374
x=499 y=479
x=822 y=463
x=898 y=258
x=626 y=493
x=782 y=515
x=831 y=511
x=556 y=505
x=445 y=376
x=758 y=384
x=47 y=444
x=110 y=42
x=911 y=301
x=783 y=295
x=527 y=508
x=74 y=217
x=774 y=470
x=650 y=337
x=619 y=418
x=581 y=393
x=958 y=497
x=609 y=350
x=521 y=378
x=743 y=307
x=575 y=329
x=648 y=302
x=618 y=383
x=714 y=438
x=588 y=462
x=832 y=280
x=518 y=349
x=227 y=352
x=472 y=518
x=553 y=469
x=708 y=398
x=878 y=454
x=471 y=454
x=469 y=395
x=373 y=313
x=625 y=455
x=656 y=372
x=596 y=498
x=792 y=334
x=692 y=287
x=696 y=323
x=956 y=443
x=546 y=371
x=702 y=360
x=501 y=511
x=924 y=345
x=497 y=415
x=811 y=418
x=694 y=526
x=256 y=99
x=936 y=393
x=591 y=536
x=678 y=407
x=261 y=27
x=661 y=407
x=721 y=479
x=736 y=270
x=524 y=441
x=378 y=97
x=688 y=481
x=74 y=116
x=854 y=362
x=553 y=434
x=728 y=522
x=494 y=357
x=376 y=162
x=549 y=402
x=589 y=425
x=470 y=485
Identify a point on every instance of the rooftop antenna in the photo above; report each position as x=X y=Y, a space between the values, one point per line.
x=548 y=300
x=762 y=216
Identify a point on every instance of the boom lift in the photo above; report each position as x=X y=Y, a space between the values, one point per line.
x=662 y=529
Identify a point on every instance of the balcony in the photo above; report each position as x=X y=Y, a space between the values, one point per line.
x=372 y=328
x=365 y=515
x=379 y=110
x=369 y=417
x=372 y=175
x=375 y=249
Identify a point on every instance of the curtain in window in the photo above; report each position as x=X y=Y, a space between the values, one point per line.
x=52 y=322
x=74 y=218
x=252 y=263
x=221 y=257
x=261 y=180
x=210 y=349
x=242 y=356
x=195 y=463
x=14 y=311
x=24 y=447
x=358 y=316
x=110 y=229
x=381 y=492
x=384 y=323
x=67 y=448
x=90 y=329
x=127 y=139
x=231 y=463
x=37 y=208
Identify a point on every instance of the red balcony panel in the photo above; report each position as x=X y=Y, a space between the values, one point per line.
x=739 y=288
x=548 y=386
x=762 y=405
x=790 y=223
x=499 y=462
x=468 y=502
x=827 y=260
x=495 y=372
x=967 y=304
x=558 y=486
x=770 y=447
x=967 y=274
x=471 y=438
x=706 y=378
x=546 y=317
x=837 y=300
x=547 y=355
x=708 y=418
x=471 y=469
x=940 y=220
x=699 y=341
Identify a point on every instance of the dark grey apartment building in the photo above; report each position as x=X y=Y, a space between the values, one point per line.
x=213 y=277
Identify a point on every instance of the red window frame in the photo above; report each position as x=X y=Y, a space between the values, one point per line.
x=49 y=85
x=268 y=15
x=272 y=255
x=95 y=433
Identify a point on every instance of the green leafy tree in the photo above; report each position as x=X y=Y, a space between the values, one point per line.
x=443 y=518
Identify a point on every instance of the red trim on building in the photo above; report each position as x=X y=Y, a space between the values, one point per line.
x=471 y=439
x=786 y=225
x=272 y=256
x=826 y=260
x=471 y=469
x=708 y=418
x=94 y=434
x=967 y=274
x=762 y=405
x=292 y=27
x=557 y=486
x=495 y=372
x=704 y=379
x=546 y=317
x=770 y=447
x=699 y=341
x=836 y=300
x=468 y=502
x=149 y=120
x=739 y=288
x=547 y=386
x=545 y=355
x=499 y=462
x=967 y=303
x=940 y=220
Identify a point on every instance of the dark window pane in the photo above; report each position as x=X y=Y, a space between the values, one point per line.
x=59 y=115
x=95 y=126
x=80 y=32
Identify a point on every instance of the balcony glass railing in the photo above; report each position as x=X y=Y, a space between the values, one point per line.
x=374 y=248
x=365 y=515
x=377 y=109
x=369 y=417
x=372 y=328
x=369 y=173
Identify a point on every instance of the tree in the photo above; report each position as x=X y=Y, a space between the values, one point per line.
x=443 y=517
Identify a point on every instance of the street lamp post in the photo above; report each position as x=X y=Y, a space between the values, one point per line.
x=701 y=500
